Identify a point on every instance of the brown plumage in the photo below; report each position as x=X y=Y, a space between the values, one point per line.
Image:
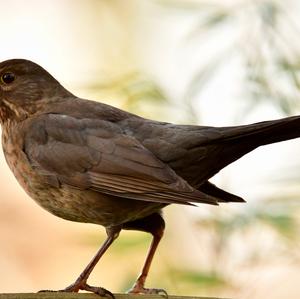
x=89 y=162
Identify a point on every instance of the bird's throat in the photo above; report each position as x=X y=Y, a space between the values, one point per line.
x=10 y=111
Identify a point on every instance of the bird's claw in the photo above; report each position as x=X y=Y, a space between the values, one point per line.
x=142 y=290
x=84 y=286
x=99 y=291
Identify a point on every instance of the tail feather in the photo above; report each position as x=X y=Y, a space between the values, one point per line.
x=265 y=132
x=238 y=141
x=221 y=195
x=225 y=145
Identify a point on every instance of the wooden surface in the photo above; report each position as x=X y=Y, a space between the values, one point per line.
x=55 y=295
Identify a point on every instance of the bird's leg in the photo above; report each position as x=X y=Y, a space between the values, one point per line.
x=139 y=286
x=155 y=225
x=81 y=281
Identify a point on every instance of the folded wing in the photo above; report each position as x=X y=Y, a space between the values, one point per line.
x=98 y=155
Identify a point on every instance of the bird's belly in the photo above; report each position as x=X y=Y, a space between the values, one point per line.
x=92 y=207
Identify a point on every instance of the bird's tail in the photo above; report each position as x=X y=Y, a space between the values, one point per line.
x=266 y=132
x=237 y=141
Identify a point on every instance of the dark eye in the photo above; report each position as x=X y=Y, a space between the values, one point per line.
x=7 y=78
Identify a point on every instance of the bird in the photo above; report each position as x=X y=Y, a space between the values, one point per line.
x=90 y=162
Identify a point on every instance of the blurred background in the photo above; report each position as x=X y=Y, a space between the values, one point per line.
x=211 y=62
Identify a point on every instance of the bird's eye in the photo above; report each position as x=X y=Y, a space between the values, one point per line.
x=7 y=78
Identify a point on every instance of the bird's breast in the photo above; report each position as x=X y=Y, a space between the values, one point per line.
x=65 y=201
x=28 y=178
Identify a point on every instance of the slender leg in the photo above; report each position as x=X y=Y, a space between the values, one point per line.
x=139 y=286
x=155 y=225
x=81 y=281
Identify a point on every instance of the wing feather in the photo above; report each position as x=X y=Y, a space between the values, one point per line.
x=96 y=155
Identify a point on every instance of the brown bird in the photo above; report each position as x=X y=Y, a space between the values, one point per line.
x=90 y=162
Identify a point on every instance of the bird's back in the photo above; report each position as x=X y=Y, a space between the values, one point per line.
x=195 y=153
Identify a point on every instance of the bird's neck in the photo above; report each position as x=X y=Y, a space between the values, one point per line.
x=10 y=112
x=14 y=112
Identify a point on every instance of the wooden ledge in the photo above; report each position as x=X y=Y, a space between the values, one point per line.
x=54 y=295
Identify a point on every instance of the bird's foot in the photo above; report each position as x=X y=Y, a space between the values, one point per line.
x=138 y=289
x=75 y=287
x=85 y=287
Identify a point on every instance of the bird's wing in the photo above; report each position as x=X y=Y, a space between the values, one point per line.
x=98 y=155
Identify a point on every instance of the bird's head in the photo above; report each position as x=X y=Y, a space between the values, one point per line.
x=24 y=88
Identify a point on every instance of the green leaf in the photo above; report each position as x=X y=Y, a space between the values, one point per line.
x=204 y=279
x=283 y=224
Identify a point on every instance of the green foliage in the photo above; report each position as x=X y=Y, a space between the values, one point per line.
x=134 y=90
x=131 y=242
x=201 y=279
x=127 y=241
x=284 y=224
